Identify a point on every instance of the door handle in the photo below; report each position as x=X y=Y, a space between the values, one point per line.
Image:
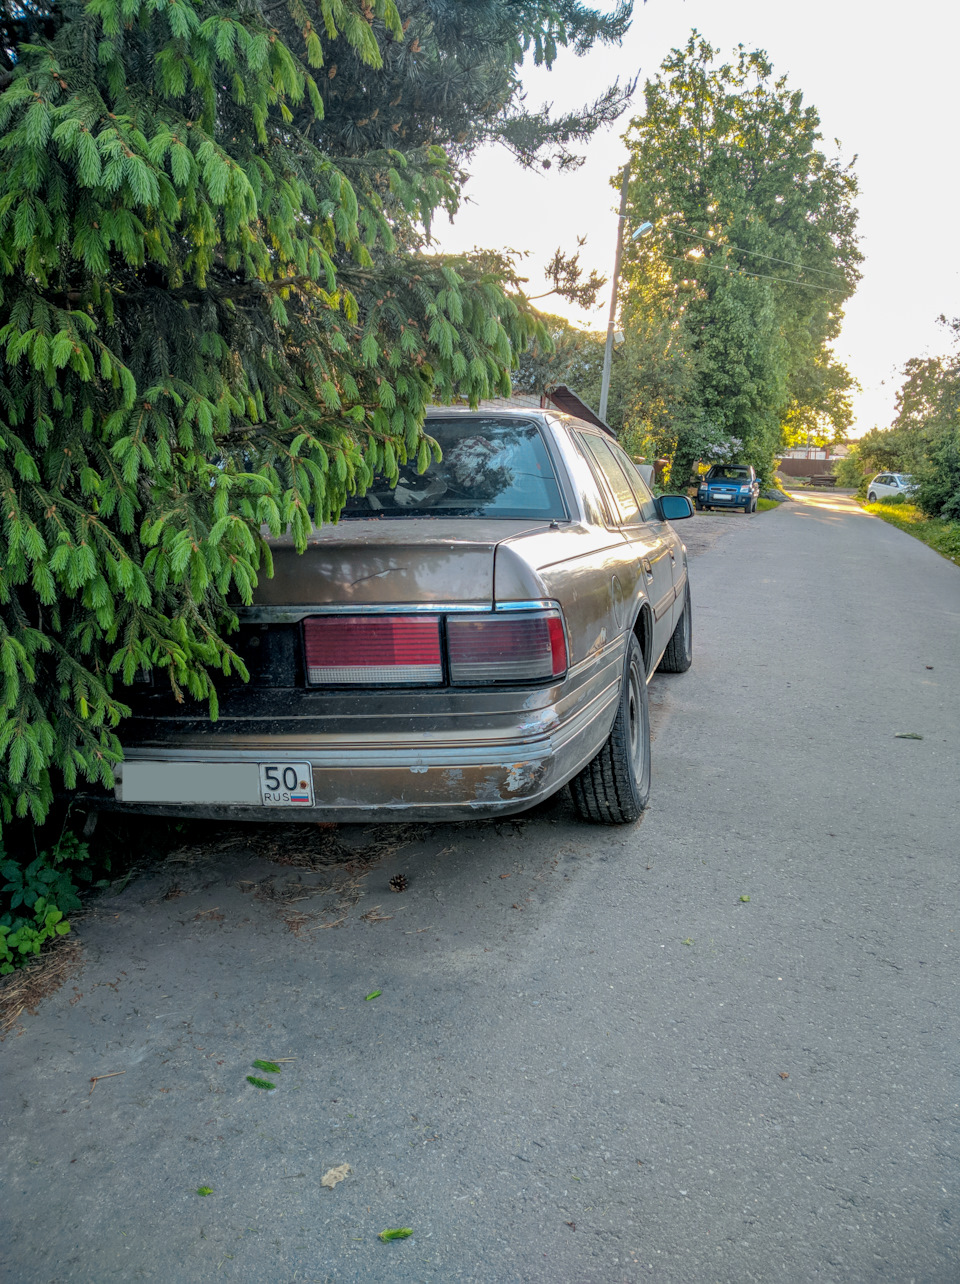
x=648 y=569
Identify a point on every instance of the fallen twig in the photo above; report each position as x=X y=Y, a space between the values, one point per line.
x=97 y=1077
x=373 y=915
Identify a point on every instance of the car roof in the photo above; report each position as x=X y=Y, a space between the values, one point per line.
x=465 y=412
x=543 y=413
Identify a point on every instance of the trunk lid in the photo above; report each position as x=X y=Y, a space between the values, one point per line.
x=388 y=562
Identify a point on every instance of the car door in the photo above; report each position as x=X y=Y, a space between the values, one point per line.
x=646 y=535
x=668 y=544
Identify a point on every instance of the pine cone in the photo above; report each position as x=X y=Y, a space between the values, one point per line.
x=398 y=883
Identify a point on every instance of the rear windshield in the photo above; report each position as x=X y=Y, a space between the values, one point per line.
x=490 y=468
x=727 y=472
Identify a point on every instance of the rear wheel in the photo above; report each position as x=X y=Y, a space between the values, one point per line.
x=679 y=653
x=871 y=498
x=614 y=788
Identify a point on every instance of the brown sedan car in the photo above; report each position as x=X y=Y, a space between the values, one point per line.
x=462 y=644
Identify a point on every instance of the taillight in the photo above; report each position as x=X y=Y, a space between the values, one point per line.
x=505 y=647
x=360 y=650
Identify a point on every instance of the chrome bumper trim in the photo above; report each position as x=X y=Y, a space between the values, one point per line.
x=294 y=614
x=334 y=756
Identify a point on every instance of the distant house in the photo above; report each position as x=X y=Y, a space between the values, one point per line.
x=807 y=452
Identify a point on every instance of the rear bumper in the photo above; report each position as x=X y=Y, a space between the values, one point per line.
x=471 y=768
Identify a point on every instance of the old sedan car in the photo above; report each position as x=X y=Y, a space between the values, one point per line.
x=464 y=643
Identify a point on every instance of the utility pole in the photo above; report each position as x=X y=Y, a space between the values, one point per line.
x=608 y=350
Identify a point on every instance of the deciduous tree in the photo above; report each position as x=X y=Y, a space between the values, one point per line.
x=754 y=250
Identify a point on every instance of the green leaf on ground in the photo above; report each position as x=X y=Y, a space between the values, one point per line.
x=261 y=1083
x=744 y=898
x=269 y=1067
x=402 y=1232
x=688 y=941
x=204 y=1190
x=374 y=994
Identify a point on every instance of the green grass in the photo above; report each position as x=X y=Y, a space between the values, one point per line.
x=943 y=536
x=764 y=505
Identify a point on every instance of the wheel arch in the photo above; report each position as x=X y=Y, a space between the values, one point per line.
x=643 y=630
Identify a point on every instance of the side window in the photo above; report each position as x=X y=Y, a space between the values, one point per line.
x=628 y=508
x=583 y=475
x=648 y=510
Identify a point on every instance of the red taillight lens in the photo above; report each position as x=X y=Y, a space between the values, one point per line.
x=506 y=648
x=360 y=650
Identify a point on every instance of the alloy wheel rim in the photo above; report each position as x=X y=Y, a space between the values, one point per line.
x=635 y=715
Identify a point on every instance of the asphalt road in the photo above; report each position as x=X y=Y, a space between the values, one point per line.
x=592 y=1059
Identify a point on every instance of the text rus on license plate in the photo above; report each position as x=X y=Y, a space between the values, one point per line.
x=286 y=784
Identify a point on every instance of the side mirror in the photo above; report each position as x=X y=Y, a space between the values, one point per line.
x=673 y=508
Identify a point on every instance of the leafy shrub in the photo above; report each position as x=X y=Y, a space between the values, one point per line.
x=19 y=943
x=34 y=898
x=849 y=470
x=939 y=475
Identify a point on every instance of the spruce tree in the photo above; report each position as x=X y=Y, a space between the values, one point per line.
x=219 y=316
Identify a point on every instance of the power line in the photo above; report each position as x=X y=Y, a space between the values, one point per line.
x=800 y=267
x=759 y=276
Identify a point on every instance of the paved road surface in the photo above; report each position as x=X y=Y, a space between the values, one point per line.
x=592 y=1060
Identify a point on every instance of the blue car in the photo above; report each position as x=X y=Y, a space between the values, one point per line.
x=729 y=486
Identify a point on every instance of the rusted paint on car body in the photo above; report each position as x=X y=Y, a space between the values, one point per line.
x=436 y=752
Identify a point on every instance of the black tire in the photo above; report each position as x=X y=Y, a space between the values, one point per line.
x=698 y=506
x=614 y=788
x=678 y=656
x=871 y=498
x=747 y=509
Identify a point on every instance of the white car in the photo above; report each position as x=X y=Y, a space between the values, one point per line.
x=885 y=485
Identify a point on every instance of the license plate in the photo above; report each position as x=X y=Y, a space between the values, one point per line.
x=725 y=497
x=286 y=784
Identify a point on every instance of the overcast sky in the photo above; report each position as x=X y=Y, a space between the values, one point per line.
x=884 y=81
